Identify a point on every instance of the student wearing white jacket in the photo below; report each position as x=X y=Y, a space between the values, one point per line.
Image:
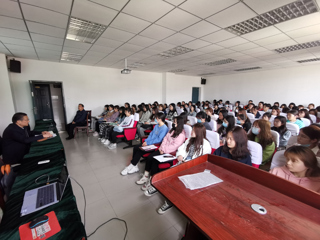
x=195 y=146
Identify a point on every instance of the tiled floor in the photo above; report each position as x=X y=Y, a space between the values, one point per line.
x=109 y=194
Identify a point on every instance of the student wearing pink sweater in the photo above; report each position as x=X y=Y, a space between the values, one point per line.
x=170 y=143
x=301 y=168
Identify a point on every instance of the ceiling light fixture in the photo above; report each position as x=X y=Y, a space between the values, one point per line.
x=247 y=69
x=175 y=52
x=71 y=57
x=136 y=65
x=298 y=47
x=309 y=60
x=282 y=14
x=220 y=62
x=206 y=74
x=177 y=70
x=84 y=31
x=125 y=70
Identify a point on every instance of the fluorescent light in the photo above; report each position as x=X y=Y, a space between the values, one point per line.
x=84 y=31
x=220 y=62
x=309 y=60
x=175 y=52
x=247 y=69
x=71 y=57
x=136 y=65
x=177 y=70
x=290 y=11
x=298 y=47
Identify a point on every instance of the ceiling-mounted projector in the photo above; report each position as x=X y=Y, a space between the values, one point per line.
x=125 y=70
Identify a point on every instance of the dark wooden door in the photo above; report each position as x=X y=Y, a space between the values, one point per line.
x=42 y=101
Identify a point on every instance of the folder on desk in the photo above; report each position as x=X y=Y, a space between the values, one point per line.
x=149 y=148
x=162 y=158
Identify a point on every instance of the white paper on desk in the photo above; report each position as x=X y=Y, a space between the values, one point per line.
x=161 y=158
x=199 y=180
x=150 y=147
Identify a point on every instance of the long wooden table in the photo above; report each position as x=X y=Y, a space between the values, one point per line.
x=223 y=211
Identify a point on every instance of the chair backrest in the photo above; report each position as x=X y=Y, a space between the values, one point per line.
x=136 y=117
x=313 y=118
x=179 y=110
x=213 y=138
x=292 y=141
x=278 y=159
x=215 y=117
x=276 y=137
x=318 y=115
x=241 y=105
x=261 y=113
x=135 y=124
x=197 y=110
x=88 y=118
x=188 y=130
x=306 y=121
x=251 y=115
x=214 y=124
x=255 y=151
x=283 y=114
x=231 y=113
x=252 y=120
x=293 y=128
x=193 y=120
x=237 y=125
x=169 y=124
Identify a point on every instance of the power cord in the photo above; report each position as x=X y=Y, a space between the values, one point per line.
x=84 y=215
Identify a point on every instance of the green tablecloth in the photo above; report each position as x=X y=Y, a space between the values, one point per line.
x=66 y=210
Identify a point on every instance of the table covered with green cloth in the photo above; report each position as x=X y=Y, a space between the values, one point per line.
x=66 y=210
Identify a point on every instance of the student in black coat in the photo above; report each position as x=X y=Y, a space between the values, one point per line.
x=79 y=120
x=17 y=139
x=235 y=147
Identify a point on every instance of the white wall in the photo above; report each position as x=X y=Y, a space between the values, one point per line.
x=6 y=100
x=300 y=85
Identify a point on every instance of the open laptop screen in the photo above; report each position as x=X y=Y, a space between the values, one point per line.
x=62 y=182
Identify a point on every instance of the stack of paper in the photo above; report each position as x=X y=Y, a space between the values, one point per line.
x=149 y=147
x=164 y=157
x=199 y=180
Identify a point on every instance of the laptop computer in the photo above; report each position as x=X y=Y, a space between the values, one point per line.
x=42 y=197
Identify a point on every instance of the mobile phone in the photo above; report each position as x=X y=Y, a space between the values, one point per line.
x=168 y=156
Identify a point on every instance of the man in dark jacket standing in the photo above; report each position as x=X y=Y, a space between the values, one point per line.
x=79 y=120
x=17 y=139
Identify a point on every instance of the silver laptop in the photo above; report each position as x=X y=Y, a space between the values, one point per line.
x=42 y=197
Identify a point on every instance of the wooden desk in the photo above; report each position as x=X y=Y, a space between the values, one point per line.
x=223 y=211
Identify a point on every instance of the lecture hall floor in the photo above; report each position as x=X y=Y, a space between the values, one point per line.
x=110 y=195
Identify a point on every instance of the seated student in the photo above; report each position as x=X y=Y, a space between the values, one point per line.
x=195 y=146
x=279 y=125
x=235 y=147
x=17 y=139
x=250 y=106
x=216 y=109
x=237 y=104
x=183 y=109
x=266 y=107
x=107 y=129
x=285 y=110
x=79 y=120
x=209 y=113
x=165 y=108
x=161 y=109
x=172 y=112
x=118 y=130
x=192 y=111
x=266 y=116
x=184 y=115
x=246 y=106
x=201 y=118
x=313 y=112
x=311 y=106
x=260 y=106
x=283 y=105
x=291 y=105
x=292 y=118
x=134 y=109
x=186 y=107
x=301 y=168
x=156 y=136
x=261 y=134
x=170 y=143
x=147 y=125
x=140 y=110
x=310 y=137
x=227 y=124
x=114 y=113
x=300 y=107
x=255 y=112
x=220 y=103
x=99 y=121
x=127 y=105
x=304 y=113
x=228 y=106
x=143 y=120
x=276 y=105
x=222 y=115
x=275 y=111
x=245 y=123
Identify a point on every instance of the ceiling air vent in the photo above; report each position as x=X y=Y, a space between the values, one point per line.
x=177 y=70
x=220 y=62
x=71 y=57
x=309 y=60
x=247 y=69
x=298 y=47
x=175 y=52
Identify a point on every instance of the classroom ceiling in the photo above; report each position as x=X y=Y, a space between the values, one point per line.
x=192 y=37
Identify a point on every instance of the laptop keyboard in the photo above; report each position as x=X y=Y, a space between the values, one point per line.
x=45 y=196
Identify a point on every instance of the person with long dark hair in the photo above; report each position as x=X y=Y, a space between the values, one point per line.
x=293 y=117
x=222 y=115
x=241 y=120
x=304 y=113
x=195 y=146
x=148 y=123
x=280 y=126
x=156 y=136
x=201 y=118
x=301 y=168
x=143 y=120
x=235 y=147
x=227 y=124
x=172 y=112
x=192 y=111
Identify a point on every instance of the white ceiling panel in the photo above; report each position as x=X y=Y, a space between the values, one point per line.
x=44 y=16
x=116 y=34
x=232 y=42
x=162 y=46
x=175 y=2
x=46 y=39
x=16 y=48
x=309 y=38
x=122 y=53
x=218 y=36
x=223 y=52
x=45 y=52
x=157 y=32
x=90 y=59
x=262 y=6
x=14 y=33
x=16 y=41
x=301 y=32
x=130 y=48
x=76 y=44
x=51 y=58
x=210 y=48
x=152 y=10
x=201 y=29
x=129 y=23
x=108 y=42
x=150 y=51
x=178 y=39
x=178 y=20
x=47 y=46
x=101 y=49
x=115 y=4
x=198 y=43
x=46 y=30
x=281 y=44
x=205 y=8
x=5 y=51
x=245 y=46
x=10 y=8
x=273 y=39
x=301 y=22
x=232 y=15
x=96 y=54
x=12 y=23
x=86 y=10
x=262 y=33
x=62 y=6
x=74 y=50
x=22 y=54
x=142 y=41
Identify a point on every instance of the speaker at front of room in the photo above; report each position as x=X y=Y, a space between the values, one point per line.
x=15 y=66
x=203 y=81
